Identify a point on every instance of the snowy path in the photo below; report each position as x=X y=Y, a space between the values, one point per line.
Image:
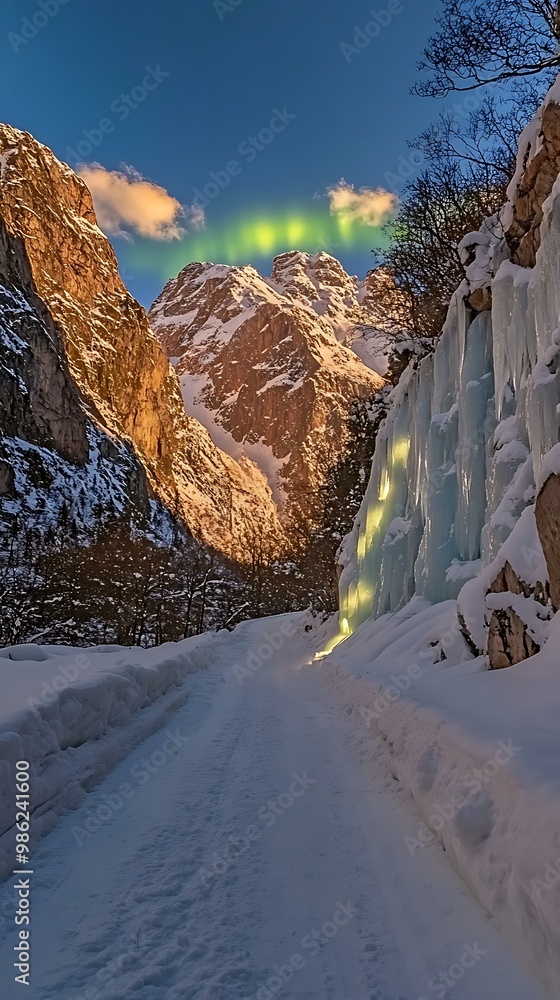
x=154 y=904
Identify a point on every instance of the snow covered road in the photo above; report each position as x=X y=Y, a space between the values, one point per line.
x=249 y=851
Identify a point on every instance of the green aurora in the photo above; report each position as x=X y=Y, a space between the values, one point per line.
x=259 y=237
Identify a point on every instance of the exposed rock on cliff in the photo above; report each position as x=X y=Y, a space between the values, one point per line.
x=547 y=513
x=84 y=365
x=509 y=641
x=38 y=399
x=538 y=169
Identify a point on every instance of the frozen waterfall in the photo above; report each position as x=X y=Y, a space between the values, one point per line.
x=460 y=452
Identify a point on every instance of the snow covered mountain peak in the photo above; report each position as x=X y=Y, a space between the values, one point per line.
x=262 y=363
x=348 y=303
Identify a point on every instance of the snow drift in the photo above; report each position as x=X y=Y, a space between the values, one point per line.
x=478 y=752
x=71 y=713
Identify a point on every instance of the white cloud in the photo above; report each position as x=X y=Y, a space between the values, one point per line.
x=126 y=203
x=370 y=206
x=195 y=217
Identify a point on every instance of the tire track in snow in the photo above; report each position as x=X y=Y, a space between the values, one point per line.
x=129 y=916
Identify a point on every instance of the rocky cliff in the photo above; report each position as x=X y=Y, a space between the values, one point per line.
x=87 y=395
x=464 y=496
x=266 y=364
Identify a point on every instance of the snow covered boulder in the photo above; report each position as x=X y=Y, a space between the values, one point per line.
x=505 y=611
x=514 y=625
x=509 y=639
x=476 y=252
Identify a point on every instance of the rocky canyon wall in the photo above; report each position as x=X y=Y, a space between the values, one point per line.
x=87 y=394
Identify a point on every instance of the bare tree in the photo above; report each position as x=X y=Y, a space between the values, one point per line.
x=484 y=140
x=438 y=209
x=484 y=41
x=469 y=157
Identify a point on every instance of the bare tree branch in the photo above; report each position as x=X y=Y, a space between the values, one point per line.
x=488 y=41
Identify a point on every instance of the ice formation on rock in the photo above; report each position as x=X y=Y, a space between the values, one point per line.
x=460 y=454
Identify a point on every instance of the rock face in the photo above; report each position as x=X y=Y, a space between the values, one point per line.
x=364 y=315
x=540 y=168
x=509 y=641
x=86 y=378
x=264 y=363
x=38 y=399
x=547 y=513
x=511 y=636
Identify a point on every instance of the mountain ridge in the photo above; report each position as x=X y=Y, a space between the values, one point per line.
x=264 y=363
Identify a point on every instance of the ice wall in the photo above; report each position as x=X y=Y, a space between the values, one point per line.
x=460 y=452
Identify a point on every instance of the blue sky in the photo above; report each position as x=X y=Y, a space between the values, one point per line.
x=221 y=76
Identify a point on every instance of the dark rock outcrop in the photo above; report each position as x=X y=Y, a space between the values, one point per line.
x=547 y=514
x=480 y=300
x=509 y=638
x=509 y=641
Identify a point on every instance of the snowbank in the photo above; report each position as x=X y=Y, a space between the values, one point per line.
x=478 y=751
x=449 y=515
x=71 y=713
